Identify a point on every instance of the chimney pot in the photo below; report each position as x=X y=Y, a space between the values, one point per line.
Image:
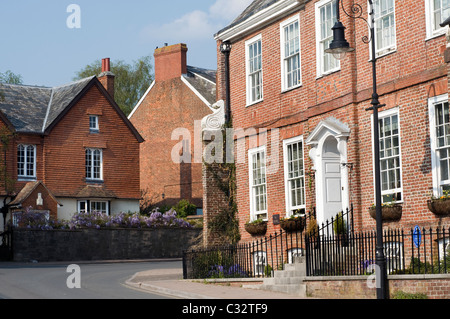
x=106 y=78
x=106 y=65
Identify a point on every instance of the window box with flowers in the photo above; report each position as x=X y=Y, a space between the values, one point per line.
x=440 y=206
x=294 y=223
x=389 y=211
x=256 y=228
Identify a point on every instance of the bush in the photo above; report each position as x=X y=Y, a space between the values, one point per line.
x=406 y=295
x=38 y=220
x=184 y=208
x=97 y=220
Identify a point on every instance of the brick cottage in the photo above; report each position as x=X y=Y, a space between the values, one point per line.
x=68 y=148
x=313 y=145
x=176 y=101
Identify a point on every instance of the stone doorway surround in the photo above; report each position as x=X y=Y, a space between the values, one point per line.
x=319 y=140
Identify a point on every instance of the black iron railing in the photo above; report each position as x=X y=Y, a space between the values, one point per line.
x=260 y=257
x=418 y=251
x=331 y=249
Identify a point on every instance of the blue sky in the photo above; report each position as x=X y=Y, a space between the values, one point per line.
x=36 y=42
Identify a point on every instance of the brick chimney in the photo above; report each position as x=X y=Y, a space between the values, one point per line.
x=170 y=62
x=106 y=78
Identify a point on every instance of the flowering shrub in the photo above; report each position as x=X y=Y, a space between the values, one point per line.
x=219 y=271
x=445 y=195
x=127 y=220
x=98 y=220
x=37 y=220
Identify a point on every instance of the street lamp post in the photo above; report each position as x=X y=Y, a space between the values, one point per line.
x=339 y=47
x=225 y=48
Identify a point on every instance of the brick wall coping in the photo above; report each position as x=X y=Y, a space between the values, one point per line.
x=390 y=277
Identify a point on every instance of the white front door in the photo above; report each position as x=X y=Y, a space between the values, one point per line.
x=332 y=187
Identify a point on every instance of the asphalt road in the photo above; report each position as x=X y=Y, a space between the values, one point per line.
x=96 y=281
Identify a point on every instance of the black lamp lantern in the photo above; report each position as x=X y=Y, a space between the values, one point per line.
x=339 y=47
x=225 y=47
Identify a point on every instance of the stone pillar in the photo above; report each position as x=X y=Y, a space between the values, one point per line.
x=214 y=200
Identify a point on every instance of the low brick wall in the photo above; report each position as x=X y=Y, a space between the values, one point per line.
x=356 y=287
x=103 y=244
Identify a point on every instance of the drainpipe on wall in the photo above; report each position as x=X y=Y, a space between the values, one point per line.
x=225 y=48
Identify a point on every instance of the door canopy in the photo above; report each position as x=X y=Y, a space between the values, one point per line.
x=316 y=139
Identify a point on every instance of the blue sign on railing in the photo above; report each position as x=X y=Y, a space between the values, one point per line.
x=417 y=236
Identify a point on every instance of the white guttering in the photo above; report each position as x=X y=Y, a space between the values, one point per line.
x=141 y=100
x=259 y=19
x=44 y=125
x=193 y=89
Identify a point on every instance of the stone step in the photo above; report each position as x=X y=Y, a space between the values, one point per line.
x=283 y=281
x=296 y=290
x=289 y=280
x=289 y=273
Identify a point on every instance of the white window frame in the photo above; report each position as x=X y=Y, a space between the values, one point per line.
x=320 y=50
x=25 y=176
x=86 y=208
x=430 y=21
x=379 y=52
x=262 y=214
x=249 y=88
x=91 y=169
x=101 y=202
x=284 y=59
x=435 y=159
x=95 y=128
x=286 y=144
x=89 y=203
x=399 y=190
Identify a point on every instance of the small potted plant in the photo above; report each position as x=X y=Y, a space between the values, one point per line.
x=441 y=205
x=293 y=223
x=312 y=232
x=340 y=229
x=256 y=228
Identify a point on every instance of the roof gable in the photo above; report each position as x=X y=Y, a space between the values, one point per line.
x=201 y=81
x=61 y=98
x=36 y=110
x=31 y=109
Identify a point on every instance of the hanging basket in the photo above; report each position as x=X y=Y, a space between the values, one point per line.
x=293 y=225
x=439 y=206
x=388 y=213
x=258 y=229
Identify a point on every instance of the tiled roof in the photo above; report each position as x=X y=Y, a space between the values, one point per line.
x=31 y=109
x=94 y=191
x=251 y=10
x=204 y=81
x=27 y=190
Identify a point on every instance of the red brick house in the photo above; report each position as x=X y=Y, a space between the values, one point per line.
x=169 y=118
x=314 y=145
x=71 y=148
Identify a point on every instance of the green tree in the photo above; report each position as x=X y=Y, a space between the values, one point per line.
x=131 y=82
x=10 y=78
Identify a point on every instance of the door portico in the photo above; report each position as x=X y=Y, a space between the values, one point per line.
x=328 y=153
